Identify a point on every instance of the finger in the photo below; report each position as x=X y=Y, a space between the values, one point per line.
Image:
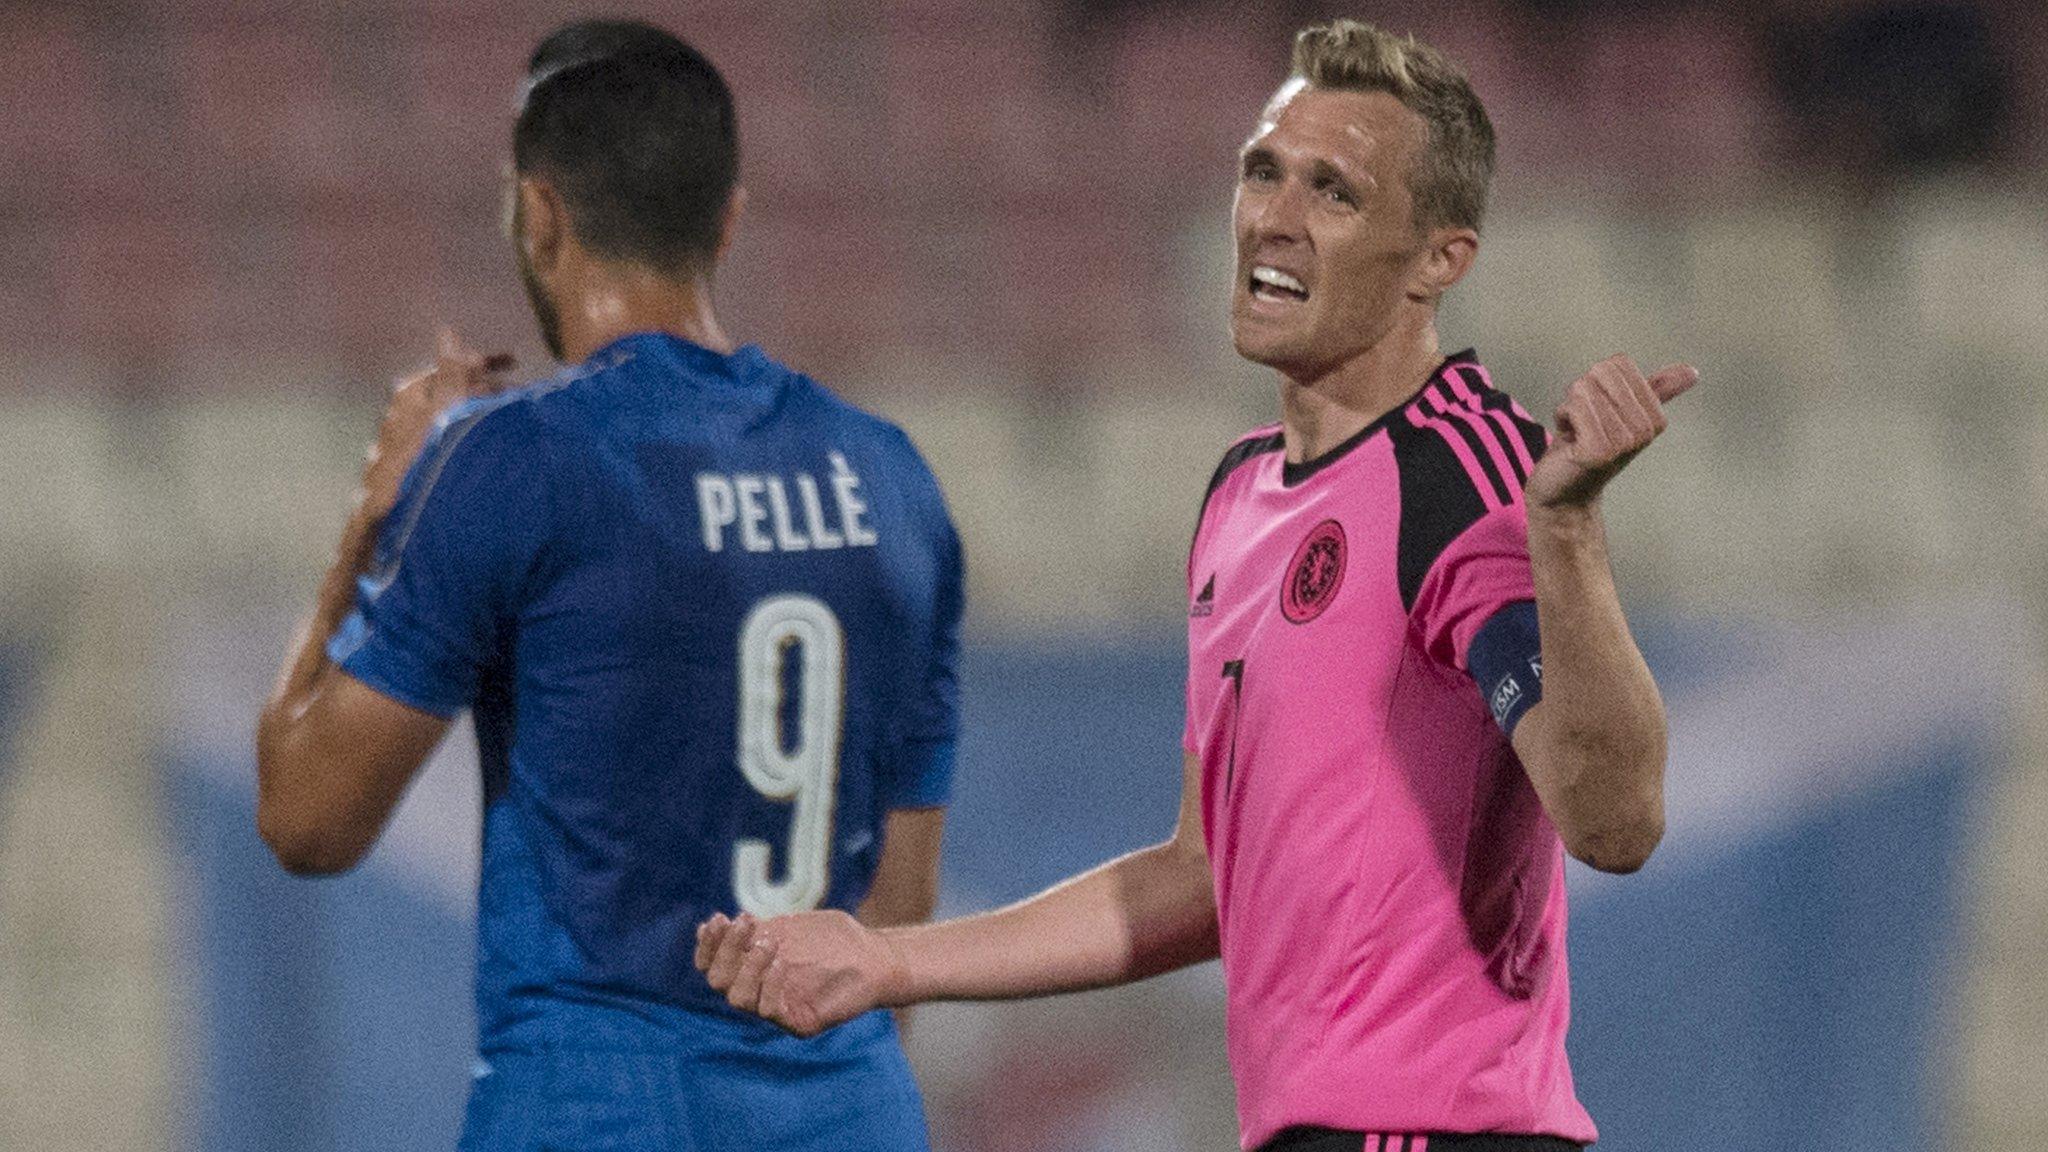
x=1591 y=435
x=1561 y=420
x=1621 y=362
x=416 y=379
x=1673 y=381
x=449 y=346
x=798 y=1013
x=773 y=1003
x=745 y=993
x=732 y=951
x=709 y=933
x=802 y=1019
x=1637 y=417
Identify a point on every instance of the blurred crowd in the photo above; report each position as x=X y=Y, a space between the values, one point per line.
x=188 y=183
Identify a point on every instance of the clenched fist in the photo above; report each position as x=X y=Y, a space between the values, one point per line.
x=1608 y=415
x=458 y=374
x=806 y=972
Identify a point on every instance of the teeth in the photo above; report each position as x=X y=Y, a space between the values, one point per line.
x=1278 y=279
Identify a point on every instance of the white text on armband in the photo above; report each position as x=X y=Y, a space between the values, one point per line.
x=772 y=514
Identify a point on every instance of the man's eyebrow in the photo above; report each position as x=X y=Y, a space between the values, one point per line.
x=1253 y=150
x=1323 y=169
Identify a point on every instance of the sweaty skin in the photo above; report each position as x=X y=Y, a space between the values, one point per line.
x=1323 y=201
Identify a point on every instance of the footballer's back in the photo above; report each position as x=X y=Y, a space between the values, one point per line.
x=717 y=649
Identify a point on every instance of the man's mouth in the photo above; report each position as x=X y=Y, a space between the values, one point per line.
x=1268 y=283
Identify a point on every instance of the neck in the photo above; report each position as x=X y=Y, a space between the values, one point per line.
x=1322 y=410
x=612 y=301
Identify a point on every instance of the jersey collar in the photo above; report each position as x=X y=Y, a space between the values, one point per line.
x=741 y=364
x=1292 y=474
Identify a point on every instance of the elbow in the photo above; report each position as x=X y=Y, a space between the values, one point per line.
x=303 y=850
x=308 y=856
x=303 y=844
x=1611 y=814
x=1618 y=853
x=1622 y=842
x=311 y=866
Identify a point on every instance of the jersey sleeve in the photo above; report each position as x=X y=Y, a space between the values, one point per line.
x=1249 y=447
x=1476 y=612
x=451 y=558
x=922 y=776
x=1464 y=564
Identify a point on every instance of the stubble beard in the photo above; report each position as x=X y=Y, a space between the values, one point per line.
x=545 y=315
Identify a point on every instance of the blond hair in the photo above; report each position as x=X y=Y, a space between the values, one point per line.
x=1450 y=177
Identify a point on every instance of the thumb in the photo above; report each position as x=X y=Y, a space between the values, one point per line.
x=1673 y=380
x=450 y=347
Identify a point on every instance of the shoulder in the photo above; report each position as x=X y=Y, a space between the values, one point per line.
x=506 y=434
x=546 y=419
x=887 y=442
x=1462 y=450
x=881 y=452
x=871 y=430
x=1245 y=449
x=503 y=449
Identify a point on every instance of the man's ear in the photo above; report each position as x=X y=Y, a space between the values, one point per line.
x=1445 y=261
x=542 y=229
x=729 y=226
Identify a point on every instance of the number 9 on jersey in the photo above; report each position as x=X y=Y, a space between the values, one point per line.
x=804 y=769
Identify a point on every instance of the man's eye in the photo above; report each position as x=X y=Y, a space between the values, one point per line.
x=1258 y=173
x=1338 y=194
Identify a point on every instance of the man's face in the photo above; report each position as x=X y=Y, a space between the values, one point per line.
x=1325 y=227
x=546 y=313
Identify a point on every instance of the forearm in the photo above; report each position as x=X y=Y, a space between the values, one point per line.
x=291 y=792
x=1136 y=916
x=306 y=661
x=1599 y=733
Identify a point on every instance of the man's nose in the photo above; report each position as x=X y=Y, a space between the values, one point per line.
x=1281 y=215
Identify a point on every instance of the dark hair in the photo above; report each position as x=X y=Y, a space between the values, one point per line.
x=635 y=130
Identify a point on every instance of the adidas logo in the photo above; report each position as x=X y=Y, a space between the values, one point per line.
x=1206 y=602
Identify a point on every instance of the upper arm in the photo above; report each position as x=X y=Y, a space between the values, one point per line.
x=1463 y=547
x=453 y=563
x=919 y=781
x=921 y=775
x=431 y=617
x=338 y=772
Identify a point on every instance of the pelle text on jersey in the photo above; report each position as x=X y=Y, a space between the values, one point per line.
x=770 y=518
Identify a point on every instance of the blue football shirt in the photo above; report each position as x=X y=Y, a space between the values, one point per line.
x=705 y=614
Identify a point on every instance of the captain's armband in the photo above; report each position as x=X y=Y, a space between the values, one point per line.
x=1506 y=662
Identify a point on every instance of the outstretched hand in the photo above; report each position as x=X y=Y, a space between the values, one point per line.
x=806 y=972
x=416 y=402
x=1608 y=415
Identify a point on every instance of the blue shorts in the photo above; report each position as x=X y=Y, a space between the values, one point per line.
x=849 y=1090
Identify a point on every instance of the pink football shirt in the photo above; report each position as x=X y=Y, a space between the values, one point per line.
x=1390 y=891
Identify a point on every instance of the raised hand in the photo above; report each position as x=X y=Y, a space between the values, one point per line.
x=806 y=972
x=1608 y=415
x=416 y=402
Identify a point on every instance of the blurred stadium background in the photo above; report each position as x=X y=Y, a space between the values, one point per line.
x=229 y=223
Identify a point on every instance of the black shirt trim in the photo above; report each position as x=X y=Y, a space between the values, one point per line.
x=1292 y=473
x=1239 y=453
x=1438 y=502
